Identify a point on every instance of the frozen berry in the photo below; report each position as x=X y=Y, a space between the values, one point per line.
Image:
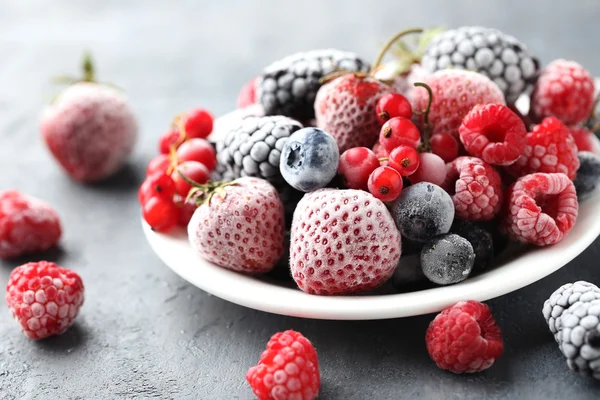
x=385 y=183
x=192 y=170
x=186 y=210
x=447 y=259
x=481 y=240
x=197 y=123
x=160 y=213
x=445 y=146
x=159 y=164
x=409 y=274
x=169 y=139
x=44 y=298
x=422 y=211
x=399 y=131
x=380 y=151
x=540 y=209
x=247 y=95
x=287 y=369
x=493 y=133
x=404 y=159
x=27 y=225
x=584 y=139
x=464 y=338
x=356 y=165
x=309 y=159
x=431 y=169
x=588 y=175
x=199 y=150
x=393 y=105
x=157 y=185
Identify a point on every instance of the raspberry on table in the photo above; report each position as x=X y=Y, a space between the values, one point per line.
x=493 y=133
x=588 y=175
x=476 y=188
x=27 y=225
x=550 y=148
x=44 y=298
x=447 y=259
x=540 y=209
x=464 y=338
x=287 y=369
x=564 y=90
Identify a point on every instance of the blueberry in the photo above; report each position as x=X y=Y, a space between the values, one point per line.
x=309 y=159
x=447 y=259
x=481 y=240
x=422 y=211
x=588 y=174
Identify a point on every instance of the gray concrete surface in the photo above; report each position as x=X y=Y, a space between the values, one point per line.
x=144 y=332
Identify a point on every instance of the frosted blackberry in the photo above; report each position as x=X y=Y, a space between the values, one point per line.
x=481 y=240
x=447 y=259
x=422 y=211
x=579 y=338
x=563 y=298
x=588 y=174
x=289 y=86
x=499 y=56
x=253 y=148
x=309 y=159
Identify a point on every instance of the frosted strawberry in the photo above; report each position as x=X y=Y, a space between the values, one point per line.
x=342 y=241
x=240 y=225
x=90 y=128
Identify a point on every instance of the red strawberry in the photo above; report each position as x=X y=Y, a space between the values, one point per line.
x=342 y=241
x=455 y=93
x=240 y=226
x=345 y=108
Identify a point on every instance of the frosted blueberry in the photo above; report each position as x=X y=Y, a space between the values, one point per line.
x=588 y=174
x=309 y=159
x=447 y=259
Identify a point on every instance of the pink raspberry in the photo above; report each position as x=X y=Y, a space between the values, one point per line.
x=584 y=139
x=475 y=187
x=550 y=148
x=493 y=133
x=91 y=131
x=27 y=225
x=342 y=241
x=540 y=208
x=564 y=90
x=44 y=298
x=455 y=93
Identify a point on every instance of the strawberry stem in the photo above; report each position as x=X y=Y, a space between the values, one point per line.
x=389 y=44
x=427 y=128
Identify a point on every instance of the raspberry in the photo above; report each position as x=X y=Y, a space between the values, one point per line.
x=27 y=225
x=564 y=90
x=455 y=93
x=44 y=298
x=475 y=187
x=247 y=95
x=287 y=369
x=550 y=148
x=464 y=338
x=540 y=208
x=493 y=133
x=583 y=139
x=342 y=241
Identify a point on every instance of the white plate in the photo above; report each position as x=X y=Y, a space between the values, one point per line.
x=254 y=292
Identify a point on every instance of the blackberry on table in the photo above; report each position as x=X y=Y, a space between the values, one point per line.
x=499 y=56
x=481 y=240
x=289 y=86
x=447 y=259
x=588 y=174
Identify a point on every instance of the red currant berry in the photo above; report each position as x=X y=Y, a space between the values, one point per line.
x=393 y=105
x=161 y=214
x=198 y=123
x=186 y=210
x=404 y=159
x=356 y=164
x=158 y=185
x=445 y=146
x=198 y=150
x=160 y=163
x=399 y=131
x=192 y=170
x=385 y=183
x=168 y=139
x=431 y=169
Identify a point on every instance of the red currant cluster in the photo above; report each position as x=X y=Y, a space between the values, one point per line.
x=185 y=155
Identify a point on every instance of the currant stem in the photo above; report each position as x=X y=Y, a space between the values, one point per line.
x=389 y=44
x=383 y=159
x=425 y=145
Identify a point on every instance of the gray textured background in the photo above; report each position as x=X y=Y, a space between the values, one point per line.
x=145 y=333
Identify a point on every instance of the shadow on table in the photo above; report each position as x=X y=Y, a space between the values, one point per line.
x=55 y=255
x=72 y=340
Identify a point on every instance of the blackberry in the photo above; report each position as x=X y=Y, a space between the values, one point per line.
x=499 y=56
x=253 y=148
x=588 y=174
x=579 y=338
x=563 y=298
x=481 y=240
x=289 y=86
x=447 y=259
